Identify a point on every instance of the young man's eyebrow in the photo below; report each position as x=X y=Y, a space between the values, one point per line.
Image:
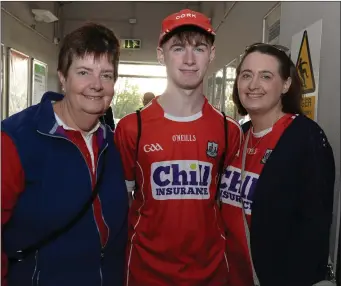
x=180 y=44
x=201 y=44
x=177 y=44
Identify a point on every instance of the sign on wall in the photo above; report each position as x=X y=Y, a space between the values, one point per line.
x=304 y=66
x=18 y=81
x=39 y=80
x=131 y=44
x=305 y=52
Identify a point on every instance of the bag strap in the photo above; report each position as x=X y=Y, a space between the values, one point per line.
x=138 y=137
x=246 y=226
x=246 y=126
x=222 y=158
x=139 y=127
x=25 y=252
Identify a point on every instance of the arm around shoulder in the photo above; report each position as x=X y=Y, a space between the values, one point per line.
x=12 y=185
x=125 y=141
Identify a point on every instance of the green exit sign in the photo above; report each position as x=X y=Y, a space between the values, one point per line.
x=131 y=44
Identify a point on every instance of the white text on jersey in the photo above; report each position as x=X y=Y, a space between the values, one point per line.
x=183 y=138
x=152 y=147
x=181 y=179
x=230 y=188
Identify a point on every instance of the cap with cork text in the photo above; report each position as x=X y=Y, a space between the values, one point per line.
x=184 y=18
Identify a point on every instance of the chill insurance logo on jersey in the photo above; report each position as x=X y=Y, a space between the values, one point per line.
x=181 y=179
x=230 y=188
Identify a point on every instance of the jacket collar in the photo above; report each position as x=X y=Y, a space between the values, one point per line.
x=45 y=117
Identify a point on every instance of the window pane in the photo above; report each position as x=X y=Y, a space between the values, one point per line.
x=272 y=26
x=209 y=94
x=218 y=89
x=142 y=70
x=19 y=81
x=230 y=77
x=129 y=92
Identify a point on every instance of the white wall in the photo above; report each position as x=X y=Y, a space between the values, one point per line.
x=295 y=16
x=23 y=39
x=115 y=15
x=242 y=27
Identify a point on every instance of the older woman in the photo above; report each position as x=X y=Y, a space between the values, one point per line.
x=278 y=193
x=64 y=203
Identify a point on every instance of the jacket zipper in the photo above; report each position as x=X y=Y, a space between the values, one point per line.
x=99 y=234
x=35 y=276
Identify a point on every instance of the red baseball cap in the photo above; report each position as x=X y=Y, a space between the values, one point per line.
x=183 y=18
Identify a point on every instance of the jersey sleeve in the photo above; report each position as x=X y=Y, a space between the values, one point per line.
x=12 y=184
x=125 y=137
x=234 y=140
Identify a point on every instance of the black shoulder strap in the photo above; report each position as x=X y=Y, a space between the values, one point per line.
x=23 y=253
x=223 y=156
x=139 y=130
x=139 y=127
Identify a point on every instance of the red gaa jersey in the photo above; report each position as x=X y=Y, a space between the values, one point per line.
x=176 y=233
x=259 y=148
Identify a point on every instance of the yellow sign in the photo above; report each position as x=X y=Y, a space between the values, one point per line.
x=308 y=106
x=304 y=66
x=131 y=44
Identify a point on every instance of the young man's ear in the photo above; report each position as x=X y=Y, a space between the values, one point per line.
x=212 y=54
x=160 y=55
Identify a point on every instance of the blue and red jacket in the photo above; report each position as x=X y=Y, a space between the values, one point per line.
x=46 y=179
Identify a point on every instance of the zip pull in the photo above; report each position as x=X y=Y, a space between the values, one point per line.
x=102 y=253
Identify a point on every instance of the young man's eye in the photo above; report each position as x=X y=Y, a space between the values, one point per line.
x=200 y=49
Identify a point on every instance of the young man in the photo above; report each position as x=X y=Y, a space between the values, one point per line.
x=172 y=161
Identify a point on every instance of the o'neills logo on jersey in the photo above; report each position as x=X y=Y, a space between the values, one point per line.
x=183 y=138
x=183 y=179
x=231 y=192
